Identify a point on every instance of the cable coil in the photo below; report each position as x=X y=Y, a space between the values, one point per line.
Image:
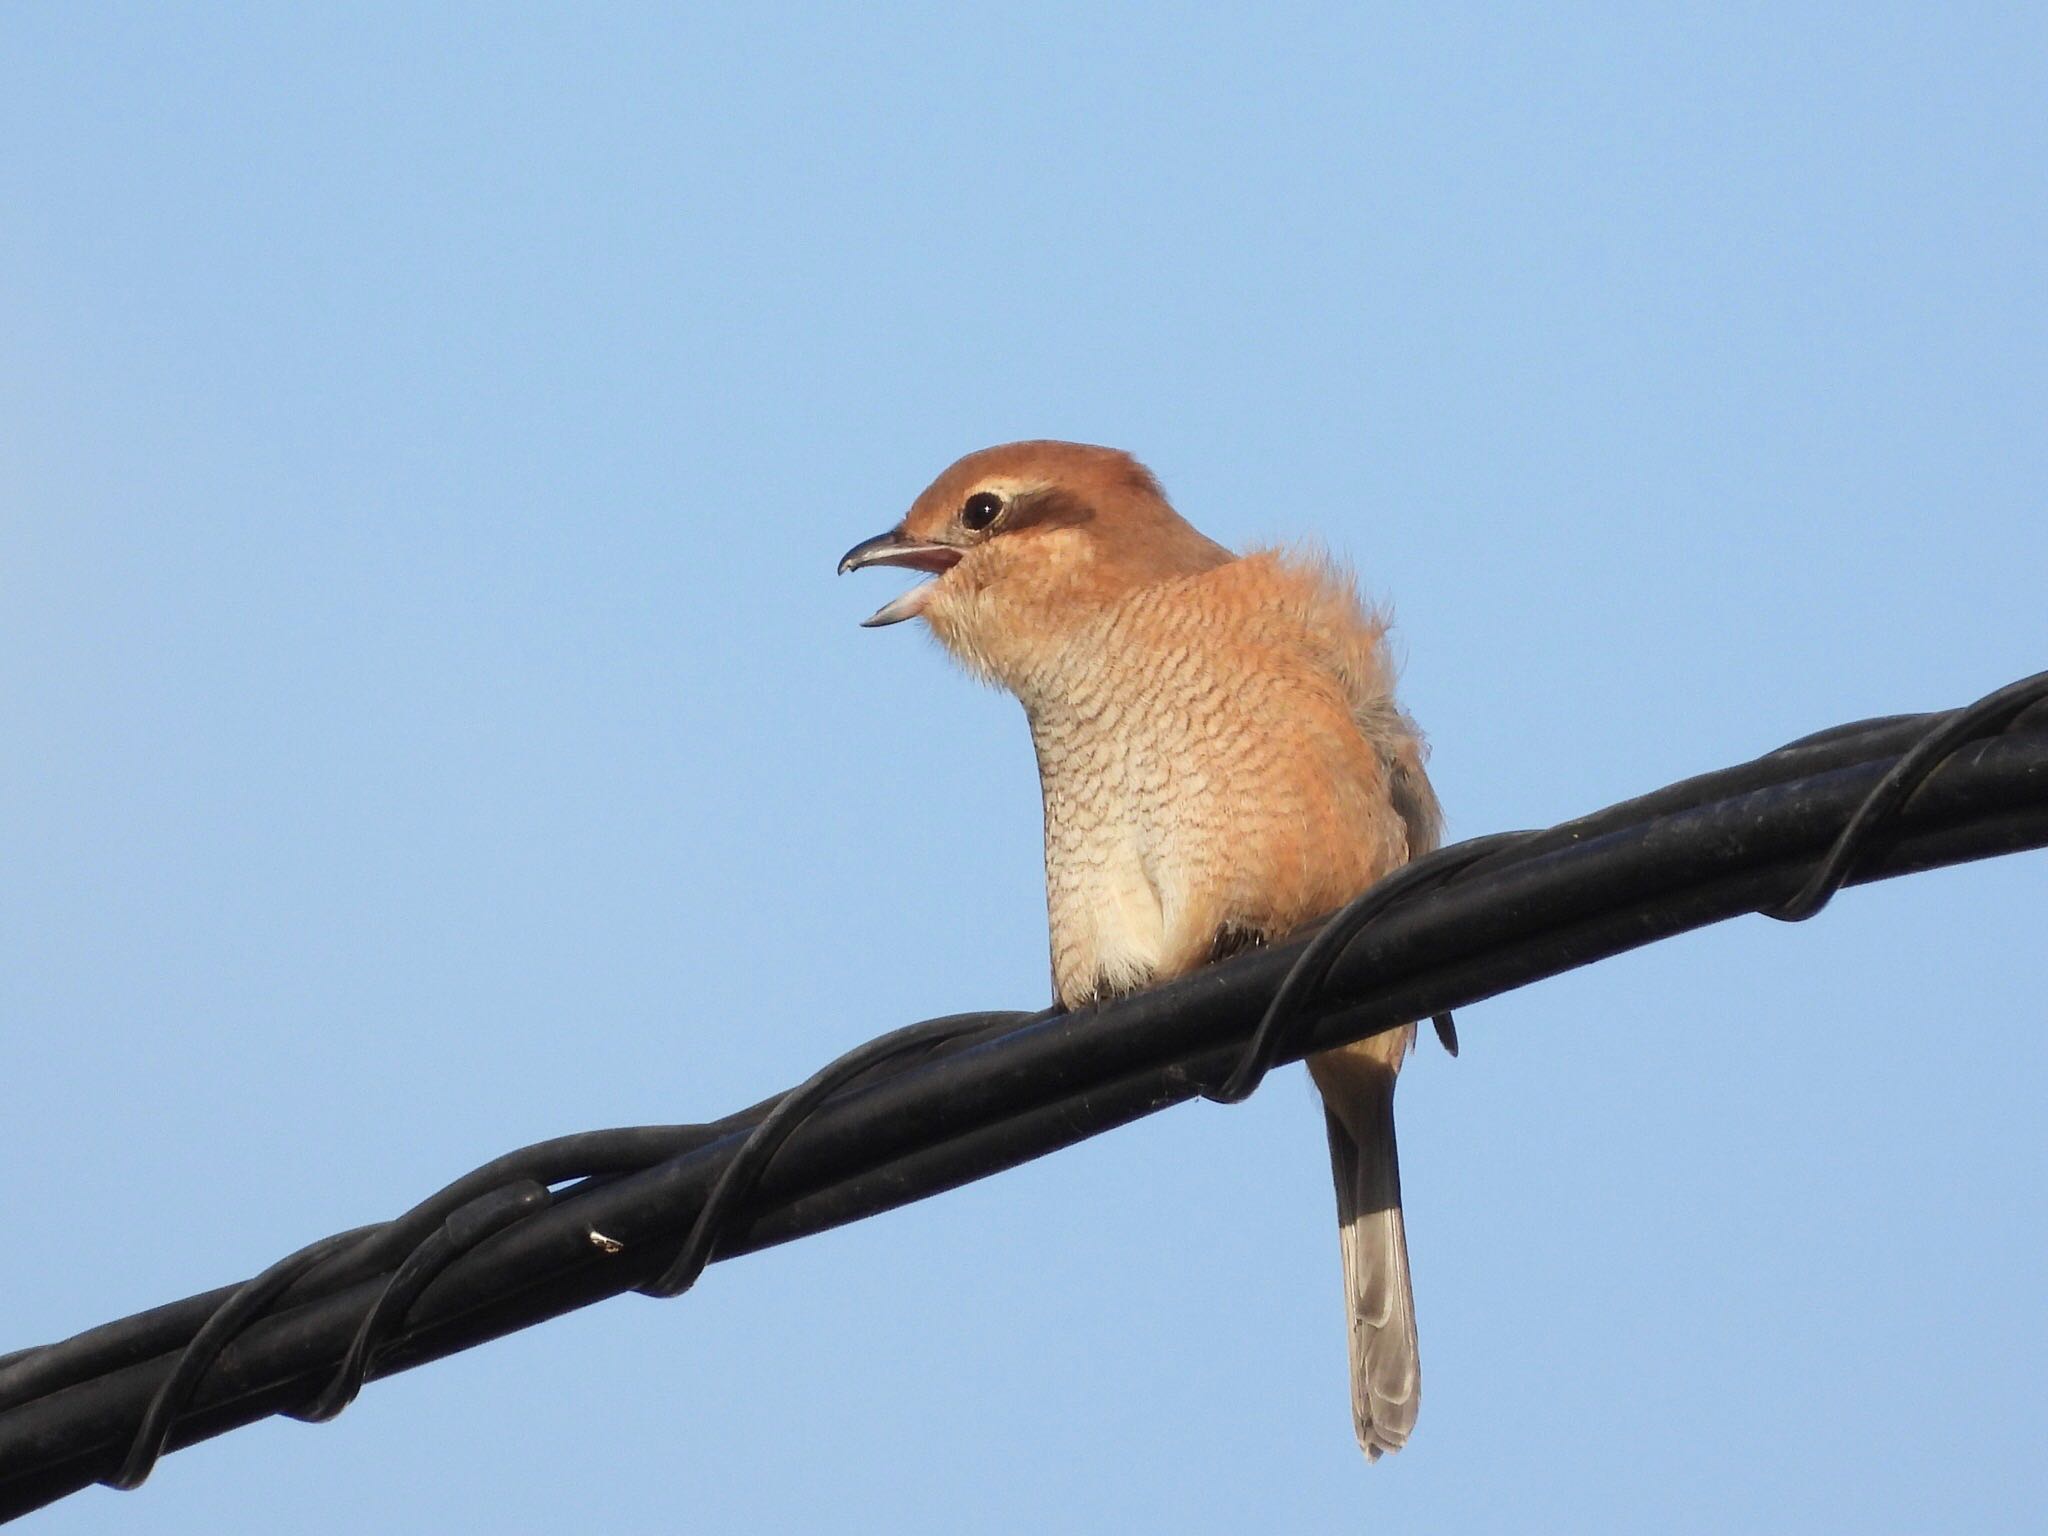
x=891 y=1120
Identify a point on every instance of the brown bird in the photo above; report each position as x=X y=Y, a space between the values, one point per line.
x=1222 y=761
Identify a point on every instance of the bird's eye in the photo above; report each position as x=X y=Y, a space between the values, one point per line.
x=981 y=509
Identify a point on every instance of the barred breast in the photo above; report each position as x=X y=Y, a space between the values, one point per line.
x=1204 y=770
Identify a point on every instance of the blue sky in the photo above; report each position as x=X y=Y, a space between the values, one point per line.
x=432 y=722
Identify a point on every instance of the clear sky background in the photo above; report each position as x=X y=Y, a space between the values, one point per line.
x=431 y=723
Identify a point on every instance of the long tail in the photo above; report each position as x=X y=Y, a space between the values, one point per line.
x=1386 y=1367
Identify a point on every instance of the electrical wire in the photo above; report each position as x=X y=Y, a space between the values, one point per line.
x=571 y=1220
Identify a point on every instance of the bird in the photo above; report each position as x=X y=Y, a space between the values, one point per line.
x=1222 y=761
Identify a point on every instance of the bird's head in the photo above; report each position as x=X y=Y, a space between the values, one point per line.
x=1024 y=541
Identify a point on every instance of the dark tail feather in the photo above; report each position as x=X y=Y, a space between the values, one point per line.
x=1386 y=1367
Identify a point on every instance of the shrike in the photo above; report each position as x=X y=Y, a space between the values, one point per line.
x=1222 y=761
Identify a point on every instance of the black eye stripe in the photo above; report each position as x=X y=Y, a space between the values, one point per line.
x=981 y=509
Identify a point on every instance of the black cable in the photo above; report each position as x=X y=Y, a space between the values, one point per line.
x=233 y=1315
x=935 y=1104
x=511 y=1192
x=743 y=1173
x=462 y=1231
x=27 y=1373
x=334 y=1263
x=1989 y=713
x=1271 y=1040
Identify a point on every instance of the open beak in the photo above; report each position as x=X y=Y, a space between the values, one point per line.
x=897 y=548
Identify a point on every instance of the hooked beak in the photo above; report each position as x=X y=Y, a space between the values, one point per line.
x=897 y=548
